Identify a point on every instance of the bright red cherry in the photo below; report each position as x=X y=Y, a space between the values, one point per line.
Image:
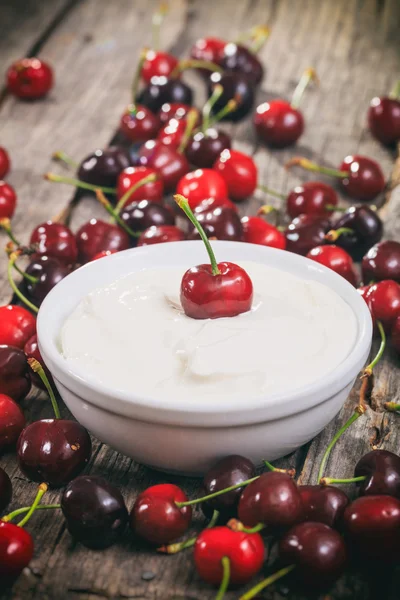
x=8 y=200
x=4 y=162
x=240 y=173
x=29 y=78
x=384 y=120
x=200 y=185
x=15 y=378
x=246 y=553
x=151 y=191
x=176 y=110
x=5 y=487
x=139 y=124
x=382 y=261
x=335 y=258
x=56 y=241
x=278 y=124
x=12 y=421
x=311 y=198
x=95 y=236
x=168 y=162
x=171 y=133
x=16 y=550
x=156 y=517
x=209 y=49
x=17 y=325
x=258 y=231
x=160 y=234
x=156 y=64
x=384 y=298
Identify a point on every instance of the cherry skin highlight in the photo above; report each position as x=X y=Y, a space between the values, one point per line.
x=384 y=120
x=17 y=325
x=200 y=185
x=204 y=148
x=258 y=231
x=4 y=162
x=5 y=486
x=29 y=79
x=278 y=124
x=305 y=232
x=55 y=240
x=139 y=216
x=323 y=504
x=311 y=198
x=139 y=124
x=12 y=422
x=151 y=191
x=15 y=378
x=96 y=236
x=239 y=59
x=8 y=200
x=172 y=133
x=161 y=90
x=48 y=272
x=168 y=162
x=211 y=203
x=16 y=551
x=157 y=64
x=102 y=167
x=209 y=49
x=382 y=261
x=176 y=110
x=221 y=223
x=365 y=180
x=239 y=172
x=335 y=258
x=382 y=471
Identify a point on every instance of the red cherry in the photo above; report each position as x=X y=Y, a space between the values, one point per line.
x=8 y=200
x=4 y=162
x=305 y=232
x=311 y=198
x=156 y=64
x=12 y=421
x=158 y=234
x=221 y=223
x=200 y=185
x=139 y=124
x=17 y=325
x=240 y=173
x=205 y=147
x=168 y=162
x=246 y=553
x=152 y=191
x=209 y=49
x=363 y=291
x=176 y=110
x=156 y=517
x=258 y=231
x=365 y=179
x=29 y=78
x=16 y=550
x=56 y=241
x=239 y=59
x=31 y=350
x=396 y=335
x=323 y=504
x=384 y=298
x=335 y=258
x=384 y=120
x=211 y=203
x=95 y=236
x=15 y=380
x=103 y=254
x=172 y=132
x=278 y=124
x=382 y=261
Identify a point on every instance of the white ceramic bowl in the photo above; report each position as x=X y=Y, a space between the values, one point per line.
x=189 y=438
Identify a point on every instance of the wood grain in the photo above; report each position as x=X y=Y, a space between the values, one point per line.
x=354 y=47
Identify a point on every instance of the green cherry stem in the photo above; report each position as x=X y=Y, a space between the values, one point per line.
x=124 y=199
x=61 y=156
x=308 y=76
x=77 y=183
x=208 y=106
x=41 y=491
x=334 y=234
x=226 y=575
x=266 y=582
x=178 y=547
x=37 y=368
x=136 y=79
x=369 y=368
x=229 y=107
x=215 y=494
x=290 y=472
x=395 y=91
x=26 y=276
x=25 y=509
x=260 y=35
x=191 y=119
x=183 y=203
x=392 y=406
x=330 y=480
x=156 y=22
x=271 y=192
x=309 y=165
x=10 y=268
x=237 y=525
x=191 y=63
x=113 y=213
x=5 y=224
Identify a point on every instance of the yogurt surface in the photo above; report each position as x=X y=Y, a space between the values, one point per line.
x=132 y=335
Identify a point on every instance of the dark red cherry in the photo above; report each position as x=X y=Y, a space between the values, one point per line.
x=236 y=87
x=29 y=78
x=384 y=120
x=161 y=234
x=221 y=223
x=372 y=526
x=151 y=191
x=239 y=172
x=311 y=198
x=278 y=124
x=227 y=472
x=48 y=272
x=211 y=203
x=155 y=516
x=204 y=148
x=305 y=232
x=12 y=422
x=157 y=64
x=94 y=511
x=176 y=110
x=201 y=184
x=382 y=261
x=171 y=133
x=384 y=300
x=240 y=59
x=273 y=499
x=8 y=200
x=168 y=162
x=17 y=325
x=5 y=486
x=246 y=553
x=396 y=335
x=55 y=240
x=15 y=380
x=4 y=162
x=16 y=551
x=95 y=236
x=103 y=167
x=367 y=229
x=258 y=231
x=141 y=215
x=365 y=180
x=382 y=471
x=318 y=552
x=161 y=90
x=138 y=124
x=209 y=49
x=335 y=258
x=53 y=450
x=31 y=350
x=323 y=504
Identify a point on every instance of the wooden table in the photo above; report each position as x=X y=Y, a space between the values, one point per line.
x=93 y=46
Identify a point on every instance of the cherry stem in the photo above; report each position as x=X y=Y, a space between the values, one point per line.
x=395 y=91
x=334 y=234
x=208 y=106
x=25 y=509
x=226 y=569
x=61 y=156
x=41 y=491
x=266 y=582
x=183 y=203
x=191 y=63
x=271 y=192
x=5 y=224
x=237 y=525
x=11 y=262
x=38 y=369
x=175 y=548
x=136 y=77
x=392 y=406
x=191 y=119
x=308 y=76
x=123 y=200
x=156 y=22
x=290 y=472
x=77 y=183
x=215 y=494
x=229 y=107
x=26 y=276
x=334 y=208
x=107 y=205
x=309 y=165
x=330 y=481
x=260 y=35
x=369 y=368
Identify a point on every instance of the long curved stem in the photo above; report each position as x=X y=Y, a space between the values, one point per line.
x=309 y=165
x=37 y=368
x=77 y=183
x=330 y=480
x=226 y=566
x=25 y=509
x=104 y=202
x=41 y=491
x=208 y=106
x=215 y=494
x=124 y=199
x=5 y=224
x=191 y=63
x=10 y=267
x=266 y=582
x=308 y=76
x=369 y=368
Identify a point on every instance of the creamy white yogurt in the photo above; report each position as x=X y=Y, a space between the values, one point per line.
x=133 y=335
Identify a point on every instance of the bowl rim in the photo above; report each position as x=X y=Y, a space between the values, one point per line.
x=194 y=412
